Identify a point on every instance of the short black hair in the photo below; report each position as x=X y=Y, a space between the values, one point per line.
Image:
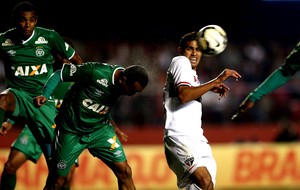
x=136 y=73
x=187 y=38
x=22 y=7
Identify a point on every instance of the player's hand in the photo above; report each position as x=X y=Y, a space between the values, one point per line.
x=39 y=100
x=243 y=108
x=123 y=136
x=226 y=73
x=6 y=126
x=221 y=89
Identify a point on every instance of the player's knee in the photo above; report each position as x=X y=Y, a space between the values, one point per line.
x=10 y=168
x=69 y=178
x=7 y=101
x=125 y=173
x=128 y=171
x=206 y=183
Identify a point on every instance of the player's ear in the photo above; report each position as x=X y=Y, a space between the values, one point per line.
x=36 y=19
x=179 y=50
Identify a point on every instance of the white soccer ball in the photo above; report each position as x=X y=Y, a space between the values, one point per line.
x=212 y=40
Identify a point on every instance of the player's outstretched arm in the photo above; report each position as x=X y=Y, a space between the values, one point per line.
x=244 y=107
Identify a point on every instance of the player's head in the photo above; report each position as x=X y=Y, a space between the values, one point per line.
x=188 y=46
x=25 y=18
x=133 y=79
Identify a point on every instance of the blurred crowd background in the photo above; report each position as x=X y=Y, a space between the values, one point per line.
x=253 y=60
x=260 y=35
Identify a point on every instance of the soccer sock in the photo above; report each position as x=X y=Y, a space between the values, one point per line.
x=8 y=182
x=2 y=113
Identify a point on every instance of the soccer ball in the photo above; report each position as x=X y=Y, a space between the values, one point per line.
x=212 y=40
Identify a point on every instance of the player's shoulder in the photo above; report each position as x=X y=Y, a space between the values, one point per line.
x=104 y=65
x=7 y=31
x=179 y=60
x=7 y=38
x=101 y=67
x=42 y=29
x=46 y=32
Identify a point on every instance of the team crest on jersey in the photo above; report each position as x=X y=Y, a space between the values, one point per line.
x=103 y=82
x=24 y=139
x=8 y=42
x=61 y=165
x=189 y=161
x=39 y=51
x=41 y=40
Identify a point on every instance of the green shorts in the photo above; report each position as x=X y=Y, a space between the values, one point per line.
x=103 y=144
x=27 y=144
x=39 y=120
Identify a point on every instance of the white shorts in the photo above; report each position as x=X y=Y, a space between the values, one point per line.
x=184 y=154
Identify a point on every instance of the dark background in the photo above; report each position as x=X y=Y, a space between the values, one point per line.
x=153 y=21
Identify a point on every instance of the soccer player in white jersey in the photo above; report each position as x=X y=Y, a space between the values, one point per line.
x=187 y=150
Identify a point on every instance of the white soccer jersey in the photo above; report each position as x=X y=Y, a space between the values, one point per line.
x=182 y=119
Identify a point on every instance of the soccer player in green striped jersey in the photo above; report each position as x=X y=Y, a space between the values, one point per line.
x=83 y=120
x=28 y=52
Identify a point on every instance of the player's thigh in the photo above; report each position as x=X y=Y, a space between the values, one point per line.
x=39 y=120
x=105 y=145
x=24 y=106
x=67 y=149
x=44 y=119
x=15 y=160
x=7 y=101
x=185 y=154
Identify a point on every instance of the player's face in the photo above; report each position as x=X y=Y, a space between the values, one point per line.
x=26 y=23
x=192 y=52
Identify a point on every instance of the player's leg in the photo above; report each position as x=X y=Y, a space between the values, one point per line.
x=23 y=148
x=201 y=177
x=9 y=178
x=67 y=148
x=193 y=155
x=68 y=183
x=7 y=103
x=105 y=145
x=123 y=172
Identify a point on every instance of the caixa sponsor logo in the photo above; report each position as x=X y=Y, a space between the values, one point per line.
x=96 y=107
x=30 y=70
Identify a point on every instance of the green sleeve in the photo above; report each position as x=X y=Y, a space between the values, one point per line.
x=279 y=77
x=274 y=81
x=11 y=121
x=52 y=83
